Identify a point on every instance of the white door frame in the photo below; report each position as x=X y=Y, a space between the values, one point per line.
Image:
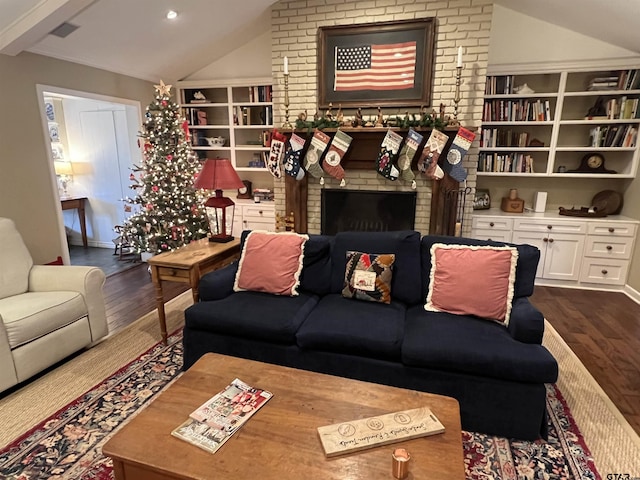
x=41 y=91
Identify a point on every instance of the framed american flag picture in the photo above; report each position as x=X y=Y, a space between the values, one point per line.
x=376 y=64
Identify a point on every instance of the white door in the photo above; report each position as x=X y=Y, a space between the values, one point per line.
x=537 y=240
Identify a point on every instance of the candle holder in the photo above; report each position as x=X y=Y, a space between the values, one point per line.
x=456 y=98
x=286 y=123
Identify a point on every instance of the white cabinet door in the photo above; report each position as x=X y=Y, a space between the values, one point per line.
x=560 y=254
x=563 y=256
x=537 y=240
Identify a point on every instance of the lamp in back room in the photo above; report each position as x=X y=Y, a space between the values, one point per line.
x=218 y=174
x=64 y=170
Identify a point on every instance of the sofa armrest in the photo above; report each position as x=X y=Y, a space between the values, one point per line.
x=8 y=375
x=526 y=323
x=88 y=281
x=218 y=284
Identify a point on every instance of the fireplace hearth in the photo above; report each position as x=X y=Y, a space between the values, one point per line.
x=366 y=211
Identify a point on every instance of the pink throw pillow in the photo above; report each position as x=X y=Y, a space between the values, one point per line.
x=271 y=262
x=472 y=280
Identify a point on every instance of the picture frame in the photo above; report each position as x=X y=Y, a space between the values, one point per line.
x=353 y=63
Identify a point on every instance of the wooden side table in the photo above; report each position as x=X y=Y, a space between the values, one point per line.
x=187 y=265
x=77 y=203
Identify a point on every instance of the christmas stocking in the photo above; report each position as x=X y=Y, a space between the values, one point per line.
x=428 y=162
x=319 y=143
x=337 y=149
x=457 y=151
x=388 y=154
x=407 y=153
x=276 y=153
x=291 y=162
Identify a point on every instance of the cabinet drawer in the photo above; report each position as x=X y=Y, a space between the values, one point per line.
x=608 y=247
x=612 y=229
x=249 y=224
x=488 y=234
x=258 y=211
x=492 y=223
x=604 y=271
x=550 y=226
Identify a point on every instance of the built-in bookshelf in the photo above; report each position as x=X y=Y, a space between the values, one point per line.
x=232 y=120
x=544 y=124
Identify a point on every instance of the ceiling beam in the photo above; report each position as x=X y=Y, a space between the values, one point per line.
x=27 y=30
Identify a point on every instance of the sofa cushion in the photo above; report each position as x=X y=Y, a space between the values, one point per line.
x=15 y=260
x=262 y=316
x=343 y=325
x=316 y=270
x=405 y=286
x=368 y=277
x=31 y=315
x=472 y=280
x=459 y=343
x=528 y=258
x=270 y=262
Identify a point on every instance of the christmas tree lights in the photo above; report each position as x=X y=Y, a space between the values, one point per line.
x=169 y=213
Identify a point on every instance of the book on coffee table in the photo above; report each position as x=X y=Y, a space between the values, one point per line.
x=216 y=420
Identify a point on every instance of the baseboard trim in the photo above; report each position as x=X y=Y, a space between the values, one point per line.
x=632 y=293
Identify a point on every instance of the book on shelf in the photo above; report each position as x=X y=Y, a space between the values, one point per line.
x=215 y=421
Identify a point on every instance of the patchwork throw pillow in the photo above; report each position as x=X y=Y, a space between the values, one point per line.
x=472 y=280
x=368 y=276
x=271 y=262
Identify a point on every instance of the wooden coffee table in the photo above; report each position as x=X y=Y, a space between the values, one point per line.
x=187 y=265
x=280 y=441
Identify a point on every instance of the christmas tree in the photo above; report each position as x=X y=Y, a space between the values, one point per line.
x=170 y=214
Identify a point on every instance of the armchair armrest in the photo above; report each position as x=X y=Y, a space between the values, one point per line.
x=88 y=281
x=8 y=375
x=218 y=284
x=526 y=323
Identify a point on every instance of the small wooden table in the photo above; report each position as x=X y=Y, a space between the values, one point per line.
x=187 y=265
x=77 y=203
x=281 y=440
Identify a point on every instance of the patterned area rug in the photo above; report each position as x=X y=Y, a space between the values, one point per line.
x=68 y=445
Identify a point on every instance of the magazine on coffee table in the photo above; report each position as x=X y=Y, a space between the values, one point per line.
x=212 y=423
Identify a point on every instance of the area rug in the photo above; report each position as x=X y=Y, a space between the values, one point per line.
x=68 y=444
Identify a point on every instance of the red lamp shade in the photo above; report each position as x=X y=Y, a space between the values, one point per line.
x=218 y=174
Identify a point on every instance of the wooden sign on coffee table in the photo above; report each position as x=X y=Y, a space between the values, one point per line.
x=355 y=435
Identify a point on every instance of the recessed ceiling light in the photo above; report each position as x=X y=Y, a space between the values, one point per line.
x=171 y=14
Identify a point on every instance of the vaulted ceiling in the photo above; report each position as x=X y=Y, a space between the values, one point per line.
x=134 y=37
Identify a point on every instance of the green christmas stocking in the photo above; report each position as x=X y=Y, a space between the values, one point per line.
x=407 y=153
x=337 y=149
x=388 y=154
x=318 y=145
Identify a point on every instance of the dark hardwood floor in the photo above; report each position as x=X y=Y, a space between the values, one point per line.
x=602 y=328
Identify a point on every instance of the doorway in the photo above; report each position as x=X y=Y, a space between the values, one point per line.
x=94 y=139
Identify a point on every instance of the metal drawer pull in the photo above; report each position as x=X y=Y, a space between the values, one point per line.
x=549 y=227
x=492 y=224
x=611 y=229
x=551 y=240
x=609 y=247
x=260 y=212
x=604 y=272
x=545 y=239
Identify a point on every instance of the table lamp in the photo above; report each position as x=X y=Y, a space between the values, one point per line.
x=64 y=171
x=218 y=174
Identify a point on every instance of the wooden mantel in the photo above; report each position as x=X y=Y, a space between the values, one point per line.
x=362 y=155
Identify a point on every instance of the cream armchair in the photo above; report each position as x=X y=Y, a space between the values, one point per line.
x=46 y=312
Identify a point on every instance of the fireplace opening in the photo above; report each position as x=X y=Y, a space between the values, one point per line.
x=366 y=211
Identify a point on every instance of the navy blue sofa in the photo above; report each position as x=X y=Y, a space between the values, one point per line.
x=497 y=373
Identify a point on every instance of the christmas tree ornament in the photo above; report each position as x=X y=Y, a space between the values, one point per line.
x=316 y=149
x=409 y=149
x=292 y=166
x=388 y=155
x=428 y=162
x=338 y=147
x=276 y=153
x=457 y=151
